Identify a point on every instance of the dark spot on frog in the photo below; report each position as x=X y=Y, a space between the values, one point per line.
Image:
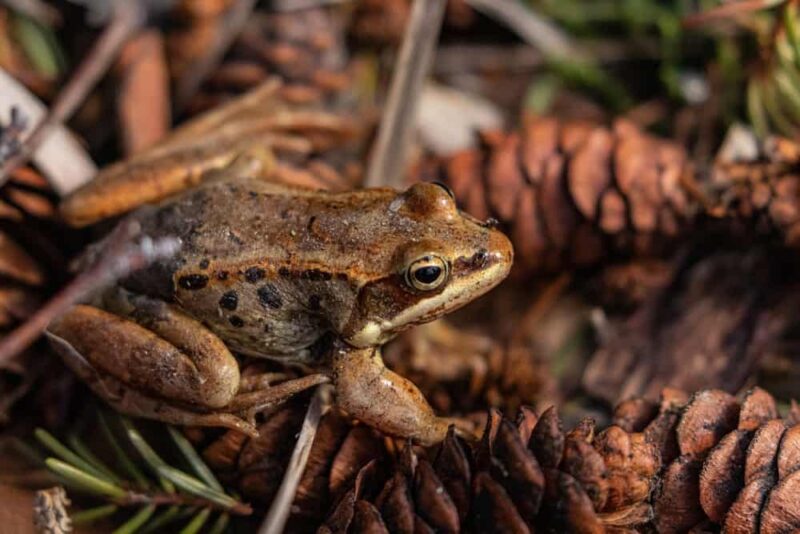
x=254 y=274
x=229 y=301
x=283 y=271
x=204 y=263
x=222 y=275
x=315 y=275
x=236 y=321
x=311 y=222
x=266 y=328
x=269 y=296
x=193 y=281
x=252 y=194
x=314 y=302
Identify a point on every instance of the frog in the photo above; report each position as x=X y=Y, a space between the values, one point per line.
x=315 y=279
x=307 y=277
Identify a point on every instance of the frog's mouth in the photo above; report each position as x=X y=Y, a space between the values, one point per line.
x=470 y=280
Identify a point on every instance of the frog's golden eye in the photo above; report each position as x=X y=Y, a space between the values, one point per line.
x=427 y=273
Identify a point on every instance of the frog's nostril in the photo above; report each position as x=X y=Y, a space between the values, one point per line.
x=491 y=223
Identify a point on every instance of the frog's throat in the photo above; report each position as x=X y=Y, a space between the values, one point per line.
x=379 y=331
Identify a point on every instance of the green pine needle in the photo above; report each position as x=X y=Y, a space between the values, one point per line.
x=63 y=452
x=135 y=523
x=186 y=482
x=84 y=480
x=195 y=462
x=194 y=526
x=84 y=517
x=125 y=462
x=220 y=524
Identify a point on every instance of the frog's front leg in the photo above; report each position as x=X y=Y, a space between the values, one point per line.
x=370 y=392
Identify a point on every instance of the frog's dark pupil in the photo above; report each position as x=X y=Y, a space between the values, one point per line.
x=428 y=275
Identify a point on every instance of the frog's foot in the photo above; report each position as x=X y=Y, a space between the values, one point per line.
x=252 y=402
x=370 y=392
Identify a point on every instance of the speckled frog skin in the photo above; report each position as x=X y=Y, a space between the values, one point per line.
x=309 y=277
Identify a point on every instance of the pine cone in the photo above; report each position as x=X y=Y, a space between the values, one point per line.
x=305 y=48
x=731 y=464
x=256 y=466
x=765 y=190
x=676 y=467
x=383 y=22
x=25 y=198
x=572 y=194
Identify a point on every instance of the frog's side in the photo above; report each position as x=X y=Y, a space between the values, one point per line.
x=317 y=278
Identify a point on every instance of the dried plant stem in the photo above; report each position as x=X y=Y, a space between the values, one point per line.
x=35 y=9
x=730 y=9
x=537 y=31
x=387 y=165
x=281 y=506
x=121 y=258
x=126 y=18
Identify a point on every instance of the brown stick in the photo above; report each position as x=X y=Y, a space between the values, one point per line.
x=121 y=258
x=126 y=18
x=279 y=511
x=387 y=165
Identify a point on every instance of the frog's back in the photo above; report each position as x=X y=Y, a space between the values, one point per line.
x=263 y=265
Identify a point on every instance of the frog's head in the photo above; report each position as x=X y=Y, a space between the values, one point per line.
x=439 y=259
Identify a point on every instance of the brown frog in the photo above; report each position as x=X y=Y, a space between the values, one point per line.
x=303 y=276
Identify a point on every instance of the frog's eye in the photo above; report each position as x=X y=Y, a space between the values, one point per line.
x=427 y=273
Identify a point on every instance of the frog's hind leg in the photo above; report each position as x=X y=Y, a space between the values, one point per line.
x=153 y=350
x=129 y=401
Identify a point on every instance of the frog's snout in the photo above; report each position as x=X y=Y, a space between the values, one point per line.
x=499 y=251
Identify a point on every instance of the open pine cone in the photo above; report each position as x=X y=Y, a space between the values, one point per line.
x=572 y=194
x=695 y=464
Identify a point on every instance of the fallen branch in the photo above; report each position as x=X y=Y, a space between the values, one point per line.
x=416 y=58
x=121 y=258
x=127 y=16
x=275 y=520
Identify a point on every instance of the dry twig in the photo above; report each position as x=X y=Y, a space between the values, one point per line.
x=416 y=57
x=127 y=16
x=122 y=257
x=275 y=520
